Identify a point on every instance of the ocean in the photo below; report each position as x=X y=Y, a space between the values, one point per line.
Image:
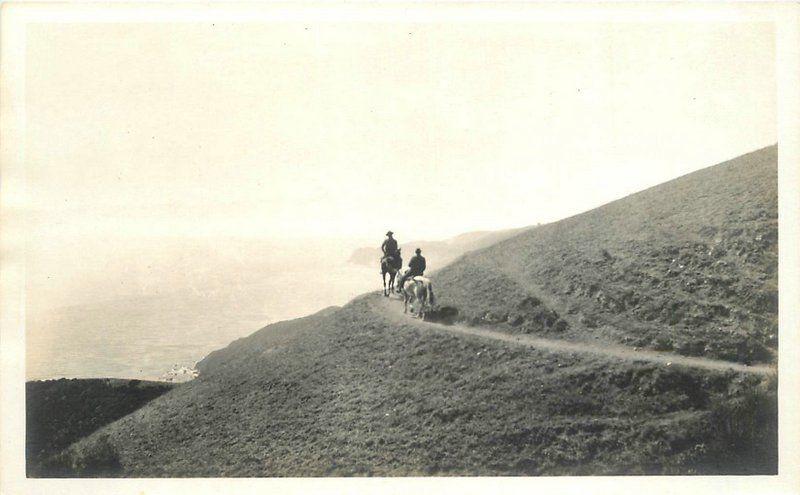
x=175 y=308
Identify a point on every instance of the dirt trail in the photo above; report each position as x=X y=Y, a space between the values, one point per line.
x=393 y=308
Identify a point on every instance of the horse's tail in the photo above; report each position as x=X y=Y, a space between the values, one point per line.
x=430 y=292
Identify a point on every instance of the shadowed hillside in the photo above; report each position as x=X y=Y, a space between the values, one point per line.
x=59 y=412
x=365 y=390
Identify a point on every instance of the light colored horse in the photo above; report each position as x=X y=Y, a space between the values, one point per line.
x=417 y=289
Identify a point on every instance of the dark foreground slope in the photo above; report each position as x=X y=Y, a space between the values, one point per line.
x=59 y=412
x=689 y=266
x=360 y=390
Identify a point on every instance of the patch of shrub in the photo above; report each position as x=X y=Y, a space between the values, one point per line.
x=662 y=343
x=745 y=431
x=444 y=314
x=589 y=320
x=98 y=459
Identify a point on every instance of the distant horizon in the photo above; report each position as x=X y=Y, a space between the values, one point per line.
x=343 y=247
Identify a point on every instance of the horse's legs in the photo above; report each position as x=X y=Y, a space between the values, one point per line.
x=414 y=299
x=384 y=284
x=424 y=302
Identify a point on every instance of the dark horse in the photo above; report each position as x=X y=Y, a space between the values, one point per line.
x=390 y=265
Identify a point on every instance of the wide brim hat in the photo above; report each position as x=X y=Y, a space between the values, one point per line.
x=390 y=233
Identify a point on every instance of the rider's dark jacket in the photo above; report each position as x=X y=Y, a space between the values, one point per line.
x=389 y=246
x=416 y=265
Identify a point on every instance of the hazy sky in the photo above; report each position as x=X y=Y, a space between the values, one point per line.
x=293 y=130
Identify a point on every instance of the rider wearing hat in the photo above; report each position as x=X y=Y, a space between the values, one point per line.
x=416 y=267
x=389 y=246
x=391 y=252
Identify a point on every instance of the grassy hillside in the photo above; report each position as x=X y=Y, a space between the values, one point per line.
x=689 y=266
x=351 y=392
x=360 y=390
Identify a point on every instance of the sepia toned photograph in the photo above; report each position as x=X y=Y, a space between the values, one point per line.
x=405 y=241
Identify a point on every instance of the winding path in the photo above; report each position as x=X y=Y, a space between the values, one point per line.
x=393 y=309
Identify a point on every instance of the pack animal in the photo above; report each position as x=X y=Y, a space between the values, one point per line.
x=417 y=290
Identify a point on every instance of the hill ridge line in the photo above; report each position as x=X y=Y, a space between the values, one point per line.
x=393 y=309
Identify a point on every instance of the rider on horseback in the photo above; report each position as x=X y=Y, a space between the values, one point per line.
x=390 y=250
x=389 y=245
x=416 y=267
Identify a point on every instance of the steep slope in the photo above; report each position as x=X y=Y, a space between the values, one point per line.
x=689 y=266
x=362 y=390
